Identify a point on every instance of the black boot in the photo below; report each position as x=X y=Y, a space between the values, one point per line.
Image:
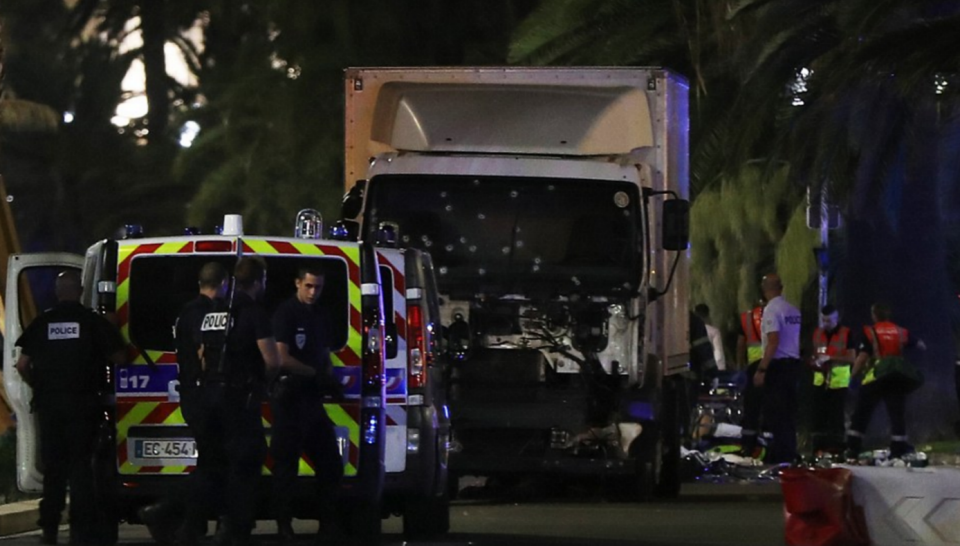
x=854 y=444
x=285 y=531
x=160 y=521
x=49 y=536
x=899 y=448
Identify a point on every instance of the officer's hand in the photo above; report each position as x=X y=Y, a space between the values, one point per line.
x=337 y=392
x=334 y=389
x=758 y=378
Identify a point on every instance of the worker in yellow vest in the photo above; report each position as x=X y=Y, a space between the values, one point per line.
x=749 y=354
x=750 y=342
x=831 y=362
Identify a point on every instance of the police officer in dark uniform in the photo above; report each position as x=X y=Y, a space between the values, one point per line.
x=237 y=348
x=164 y=517
x=300 y=422
x=64 y=357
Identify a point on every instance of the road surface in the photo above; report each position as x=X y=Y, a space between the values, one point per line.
x=704 y=515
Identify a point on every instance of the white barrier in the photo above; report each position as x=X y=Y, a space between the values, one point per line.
x=908 y=506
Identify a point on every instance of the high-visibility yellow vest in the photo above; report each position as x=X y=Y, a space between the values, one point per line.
x=837 y=373
x=750 y=322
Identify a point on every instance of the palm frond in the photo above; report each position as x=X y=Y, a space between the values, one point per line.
x=23 y=116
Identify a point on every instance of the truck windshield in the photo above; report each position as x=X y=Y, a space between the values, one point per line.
x=535 y=237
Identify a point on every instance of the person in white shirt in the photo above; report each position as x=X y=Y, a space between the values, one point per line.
x=703 y=311
x=779 y=371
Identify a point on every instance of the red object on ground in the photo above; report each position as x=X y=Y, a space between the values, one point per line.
x=819 y=509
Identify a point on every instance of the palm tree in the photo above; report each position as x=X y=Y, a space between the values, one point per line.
x=272 y=76
x=876 y=122
x=841 y=91
x=731 y=250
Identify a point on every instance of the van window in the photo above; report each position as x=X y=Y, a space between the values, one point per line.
x=161 y=285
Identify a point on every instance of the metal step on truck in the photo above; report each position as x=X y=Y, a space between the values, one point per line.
x=392 y=426
x=553 y=202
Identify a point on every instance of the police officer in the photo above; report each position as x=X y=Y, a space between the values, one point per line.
x=64 y=357
x=163 y=518
x=779 y=371
x=883 y=338
x=831 y=363
x=300 y=422
x=237 y=349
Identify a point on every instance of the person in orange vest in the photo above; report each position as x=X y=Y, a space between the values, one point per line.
x=749 y=353
x=882 y=339
x=749 y=342
x=831 y=363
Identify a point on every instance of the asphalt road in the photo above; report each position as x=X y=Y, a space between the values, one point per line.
x=705 y=514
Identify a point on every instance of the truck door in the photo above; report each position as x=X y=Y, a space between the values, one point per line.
x=30 y=280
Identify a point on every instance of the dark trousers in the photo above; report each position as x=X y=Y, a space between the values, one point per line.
x=752 y=408
x=68 y=435
x=894 y=398
x=827 y=419
x=780 y=408
x=234 y=433
x=300 y=424
x=202 y=496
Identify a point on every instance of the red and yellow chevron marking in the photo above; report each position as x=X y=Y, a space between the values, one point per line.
x=145 y=413
x=349 y=355
x=133 y=412
x=346 y=415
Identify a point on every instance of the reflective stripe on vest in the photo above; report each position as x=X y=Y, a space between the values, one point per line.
x=838 y=374
x=750 y=322
x=887 y=339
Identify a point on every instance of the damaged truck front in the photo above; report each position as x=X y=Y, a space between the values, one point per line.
x=553 y=202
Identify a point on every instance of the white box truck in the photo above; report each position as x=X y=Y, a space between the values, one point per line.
x=553 y=202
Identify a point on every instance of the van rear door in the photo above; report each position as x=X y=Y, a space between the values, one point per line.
x=30 y=282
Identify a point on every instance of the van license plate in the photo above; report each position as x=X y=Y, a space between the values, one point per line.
x=172 y=448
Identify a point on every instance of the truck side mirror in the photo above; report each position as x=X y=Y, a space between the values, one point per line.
x=352 y=202
x=676 y=224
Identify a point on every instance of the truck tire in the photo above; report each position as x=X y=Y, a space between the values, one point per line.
x=657 y=451
x=673 y=419
x=427 y=513
x=427 y=517
x=453 y=486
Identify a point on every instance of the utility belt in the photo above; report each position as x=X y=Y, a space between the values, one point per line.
x=289 y=386
x=233 y=383
x=784 y=361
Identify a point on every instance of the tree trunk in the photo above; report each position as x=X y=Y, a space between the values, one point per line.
x=153 y=23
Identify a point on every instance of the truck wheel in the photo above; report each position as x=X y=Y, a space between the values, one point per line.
x=453 y=486
x=427 y=513
x=427 y=517
x=672 y=422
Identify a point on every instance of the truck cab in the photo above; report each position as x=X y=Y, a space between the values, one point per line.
x=553 y=204
x=383 y=305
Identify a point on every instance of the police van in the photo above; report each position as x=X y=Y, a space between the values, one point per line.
x=392 y=425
